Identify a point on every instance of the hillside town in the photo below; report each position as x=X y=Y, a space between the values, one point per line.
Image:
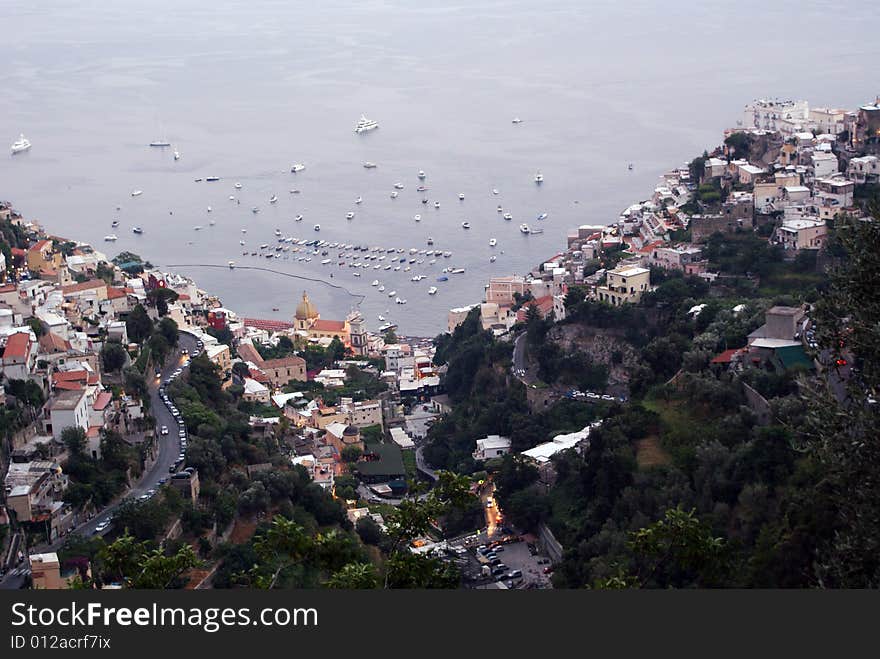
x=122 y=383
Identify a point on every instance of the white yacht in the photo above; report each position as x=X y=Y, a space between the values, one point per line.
x=375 y=282
x=417 y=218
x=231 y=264
x=436 y=204
x=364 y=124
x=114 y=223
x=380 y=317
x=176 y=154
x=422 y=175
x=499 y=209
x=381 y=289
x=394 y=195
x=111 y=238
x=539 y=177
x=317 y=227
x=21 y=144
x=137 y=230
x=209 y=209
x=465 y=225
x=370 y=165
x=492 y=242
x=359 y=200
x=516 y=120
x=495 y=191
x=542 y=216
x=255 y=210
x=507 y=216
x=238 y=186
x=298 y=167
x=299 y=218
x=273 y=199
x=231 y=197
x=137 y=193
x=349 y=216
x=524 y=228
x=398 y=186
x=461 y=196
x=432 y=290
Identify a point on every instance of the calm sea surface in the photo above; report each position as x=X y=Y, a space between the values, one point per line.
x=244 y=90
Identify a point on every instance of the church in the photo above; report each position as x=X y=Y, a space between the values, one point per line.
x=351 y=331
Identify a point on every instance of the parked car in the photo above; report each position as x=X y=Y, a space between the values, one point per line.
x=515 y=574
x=164 y=430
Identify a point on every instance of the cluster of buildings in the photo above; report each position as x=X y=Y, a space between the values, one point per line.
x=801 y=171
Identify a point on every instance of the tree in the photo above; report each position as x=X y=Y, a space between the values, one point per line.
x=37 y=326
x=160 y=297
x=113 y=356
x=840 y=431
x=168 y=329
x=138 y=324
x=390 y=337
x=369 y=531
x=351 y=453
x=355 y=576
x=284 y=545
x=74 y=438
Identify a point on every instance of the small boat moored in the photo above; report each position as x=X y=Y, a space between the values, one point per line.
x=20 y=145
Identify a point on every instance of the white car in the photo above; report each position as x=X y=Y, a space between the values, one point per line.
x=164 y=430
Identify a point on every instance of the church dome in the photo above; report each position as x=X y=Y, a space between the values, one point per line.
x=351 y=431
x=305 y=310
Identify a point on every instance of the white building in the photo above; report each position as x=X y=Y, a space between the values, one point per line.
x=787 y=117
x=492 y=446
x=68 y=409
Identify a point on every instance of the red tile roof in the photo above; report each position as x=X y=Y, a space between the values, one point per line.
x=284 y=362
x=102 y=401
x=40 y=245
x=725 y=357
x=83 y=286
x=116 y=293
x=249 y=354
x=17 y=346
x=268 y=324
x=8 y=288
x=51 y=342
x=329 y=325
x=68 y=386
x=544 y=304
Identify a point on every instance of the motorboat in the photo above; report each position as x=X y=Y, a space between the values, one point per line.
x=421 y=188
x=137 y=230
x=400 y=301
x=231 y=197
x=432 y=290
x=317 y=227
x=499 y=209
x=364 y=124
x=417 y=218
x=524 y=228
x=111 y=238
x=20 y=145
x=375 y=282
x=349 y=216
x=387 y=326
x=394 y=195
x=299 y=218
x=465 y=225
x=359 y=200
x=630 y=167
x=273 y=199
x=244 y=230
x=539 y=177
x=212 y=179
x=424 y=200
x=298 y=167
x=442 y=278
x=495 y=191
x=255 y=210
x=492 y=258
x=516 y=120
x=160 y=143
x=392 y=294
x=176 y=154
x=370 y=165
x=398 y=186
x=430 y=240
x=422 y=175
x=492 y=242
x=114 y=223
x=197 y=228
x=507 y=216
x=436 y=204
x=380 y=317
x=534 y=231
x=542 y=216
x=231 y=264
x=241 y=242
x=209 y=209
x=238 y=186
x=457 y=271
x=381 y=289
x=198 y=180
x=461 y=196
x=137 y=193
